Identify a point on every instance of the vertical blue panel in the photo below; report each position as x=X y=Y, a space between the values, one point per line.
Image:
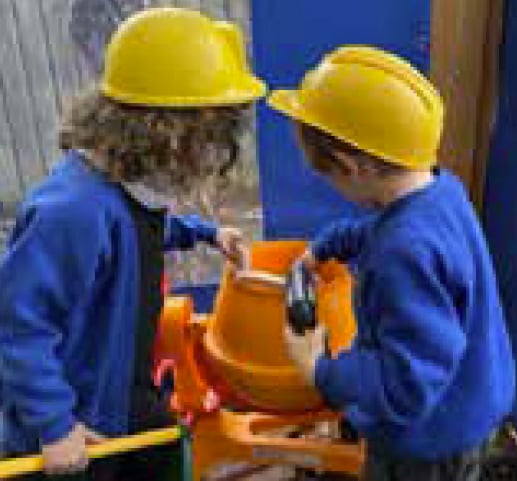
x=289 y=37
x=500 y=211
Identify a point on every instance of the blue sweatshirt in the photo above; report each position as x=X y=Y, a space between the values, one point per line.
x=431 y=372
x=69 y=289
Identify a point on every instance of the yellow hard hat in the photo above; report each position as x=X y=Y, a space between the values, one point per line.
x=175 y=57
x=373 y=100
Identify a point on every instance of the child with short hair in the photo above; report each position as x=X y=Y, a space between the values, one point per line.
x=430 y=374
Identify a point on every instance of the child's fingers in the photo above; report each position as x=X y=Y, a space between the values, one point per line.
x=92 y=437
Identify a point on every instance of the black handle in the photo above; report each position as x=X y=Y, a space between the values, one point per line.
x=301 y=300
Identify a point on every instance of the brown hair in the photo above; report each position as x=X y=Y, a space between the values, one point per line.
x=140 y=142
x=321 y=147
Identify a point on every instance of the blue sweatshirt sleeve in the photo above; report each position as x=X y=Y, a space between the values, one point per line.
x=183 y=232
x=419 y=343
x=47 y=268
x=341 y=240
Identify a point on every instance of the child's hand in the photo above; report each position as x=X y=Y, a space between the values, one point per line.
x=305 y=350
x=310 y=262
x=92 y=437
x=229 y=241
x=68 y=455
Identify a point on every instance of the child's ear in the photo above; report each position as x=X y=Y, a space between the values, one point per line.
x=346 y=164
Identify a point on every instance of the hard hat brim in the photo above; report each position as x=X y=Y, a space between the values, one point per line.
x=252 y=89
x=287 y=103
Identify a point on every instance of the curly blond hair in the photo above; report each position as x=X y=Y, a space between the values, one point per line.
x=181 y=147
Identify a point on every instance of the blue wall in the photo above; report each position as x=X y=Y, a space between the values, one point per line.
x=290 y=36
x=500 y=211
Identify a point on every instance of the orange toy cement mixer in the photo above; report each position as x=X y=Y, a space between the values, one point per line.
x=235 y=358
x=233 y=382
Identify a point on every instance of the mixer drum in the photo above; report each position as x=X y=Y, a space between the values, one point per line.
x=244 y=339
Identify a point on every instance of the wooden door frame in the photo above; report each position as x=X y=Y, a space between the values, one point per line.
x=465 y=45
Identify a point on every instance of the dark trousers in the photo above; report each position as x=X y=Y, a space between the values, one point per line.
x=463 y=467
